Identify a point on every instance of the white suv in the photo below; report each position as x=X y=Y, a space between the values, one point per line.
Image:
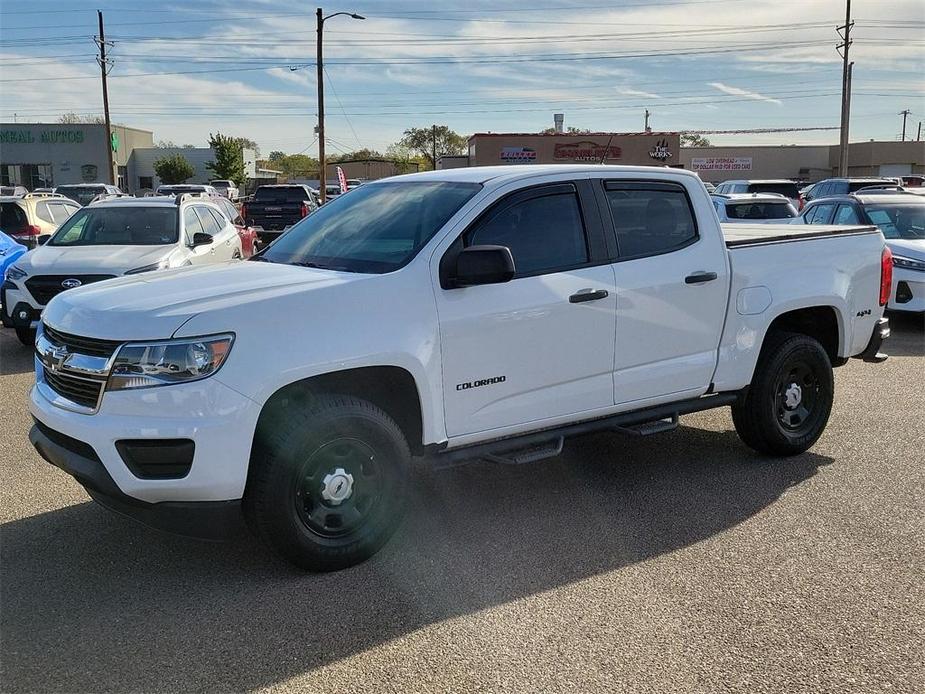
x=119 y=236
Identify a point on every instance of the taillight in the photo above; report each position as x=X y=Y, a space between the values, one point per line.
x=802 y=202
x=886 y=275
x=304 y=209
x=244 y=213
x=30 y=230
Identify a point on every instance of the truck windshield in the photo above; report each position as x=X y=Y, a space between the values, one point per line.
x=271 y=195
x=118 y=226
x=903 y=221
x=377 y=228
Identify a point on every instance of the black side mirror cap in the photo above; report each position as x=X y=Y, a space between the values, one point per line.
x=201 y=239
x=483 y=265
x=43 y=239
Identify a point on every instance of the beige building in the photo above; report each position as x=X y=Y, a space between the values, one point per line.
x=646 y=148
x=803 y=162
x=364 y=169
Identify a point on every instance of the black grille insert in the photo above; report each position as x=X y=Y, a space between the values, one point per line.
x=44 y=288
x=157 y=459
x=82 y=345
x=80 y=390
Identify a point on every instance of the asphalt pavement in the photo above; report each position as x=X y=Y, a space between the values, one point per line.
x=678 y=563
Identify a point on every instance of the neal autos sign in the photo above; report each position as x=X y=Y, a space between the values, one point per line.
x=721 y=163
x=46 y=136
x=586 y=151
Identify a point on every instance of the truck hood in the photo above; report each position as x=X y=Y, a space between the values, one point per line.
x=909 y=248
x=91 y=260
x=152 y=306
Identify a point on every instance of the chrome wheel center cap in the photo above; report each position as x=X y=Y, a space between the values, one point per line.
x=337 y=486
x=793 y=396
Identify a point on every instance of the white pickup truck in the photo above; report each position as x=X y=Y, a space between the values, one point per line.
x=451 y=315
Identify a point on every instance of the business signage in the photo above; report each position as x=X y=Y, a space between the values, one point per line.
x=518 y=155
x=721 y=164
x=28 y=137
x=586 y=151
x=660 y=152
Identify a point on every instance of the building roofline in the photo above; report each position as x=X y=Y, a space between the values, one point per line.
x=596 y=134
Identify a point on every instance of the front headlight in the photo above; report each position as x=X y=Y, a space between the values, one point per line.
x=908 y=263
x=15 y=273
x=160 y=265
x=144 y=365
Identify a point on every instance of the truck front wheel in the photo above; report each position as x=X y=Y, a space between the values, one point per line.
x=328 y=483
x=789 y=400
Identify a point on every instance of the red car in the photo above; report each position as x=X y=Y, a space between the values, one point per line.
x=247 y=234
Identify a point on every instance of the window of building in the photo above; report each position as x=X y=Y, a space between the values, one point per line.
x=146 y=182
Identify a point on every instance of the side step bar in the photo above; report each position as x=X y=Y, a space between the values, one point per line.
x=528 y=448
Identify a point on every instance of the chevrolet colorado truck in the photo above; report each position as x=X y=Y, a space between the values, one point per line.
x=485 y=312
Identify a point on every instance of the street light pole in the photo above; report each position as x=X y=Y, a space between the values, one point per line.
x=322 y=163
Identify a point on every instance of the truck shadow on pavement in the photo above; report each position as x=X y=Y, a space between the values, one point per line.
x=94 y=602
x=907 y=335
x=15 y=357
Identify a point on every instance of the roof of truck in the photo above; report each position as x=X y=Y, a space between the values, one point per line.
x=483 y=174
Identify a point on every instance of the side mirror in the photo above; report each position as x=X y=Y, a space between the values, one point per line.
x=201 y=239
x=483 y=265
x=43 y=239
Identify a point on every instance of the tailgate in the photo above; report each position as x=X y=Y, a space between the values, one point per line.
x=754 y=234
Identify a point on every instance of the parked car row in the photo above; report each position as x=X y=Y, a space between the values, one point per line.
x=109 y=237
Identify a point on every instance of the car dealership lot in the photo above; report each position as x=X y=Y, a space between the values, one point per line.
x=676 y=563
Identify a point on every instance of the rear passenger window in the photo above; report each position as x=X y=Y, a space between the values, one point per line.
x=191 y=223
x=846 y=215
x=823 y=214
x=650 y=218
x=209 y=225
x=544 y=233
x=43 y=213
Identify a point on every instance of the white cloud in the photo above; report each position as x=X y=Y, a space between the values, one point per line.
x=736 y=91
x=637 y=92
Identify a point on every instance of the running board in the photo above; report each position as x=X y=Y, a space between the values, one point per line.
x=538 y=445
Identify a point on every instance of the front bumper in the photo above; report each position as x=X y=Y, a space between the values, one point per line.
x=908 y=292
x=210 y=520
x=217 y=419
x=872 y=353
x=16 y=301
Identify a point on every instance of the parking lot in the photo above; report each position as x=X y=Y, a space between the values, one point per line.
x=676 y=563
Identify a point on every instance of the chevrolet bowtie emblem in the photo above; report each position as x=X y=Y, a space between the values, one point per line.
x=57 y=355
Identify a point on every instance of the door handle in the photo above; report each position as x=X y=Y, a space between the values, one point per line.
x=699 y=277
x=588 y=295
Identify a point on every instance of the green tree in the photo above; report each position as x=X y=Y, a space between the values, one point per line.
x=422 y=142
x=405 y=160
x=174 y=168
x=247 y=143
x=364 y=153
x=694 y=140
x=276 y=155
x=229 y=160
x=75 y=118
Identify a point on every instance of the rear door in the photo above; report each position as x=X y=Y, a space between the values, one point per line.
x=192 y=225
x=672 y=284
x=532 y=349
x=822 y=213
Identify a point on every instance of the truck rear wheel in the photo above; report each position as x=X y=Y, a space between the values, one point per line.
x=788 y=403
x=328 y=485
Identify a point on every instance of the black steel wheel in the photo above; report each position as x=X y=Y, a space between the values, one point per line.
x=327 y=484
x=790 y=398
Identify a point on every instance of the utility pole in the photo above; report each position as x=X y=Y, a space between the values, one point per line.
x=647 y=120
x=433 y=146
x=918 y=138
x=905 y=114
x=322 y=186
x=842 y=48
x=322 y=163
x=103 y=69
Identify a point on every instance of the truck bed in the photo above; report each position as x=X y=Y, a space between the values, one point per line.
x=754 y=234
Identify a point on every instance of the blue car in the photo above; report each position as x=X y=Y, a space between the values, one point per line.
x=10 y=252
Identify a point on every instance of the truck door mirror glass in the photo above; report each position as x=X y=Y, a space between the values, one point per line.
x=483 y=265
x=43 y=239
x=201 y=239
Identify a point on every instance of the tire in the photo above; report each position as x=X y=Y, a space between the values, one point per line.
x=328 y=485
x=790 y=398
x=26 y=336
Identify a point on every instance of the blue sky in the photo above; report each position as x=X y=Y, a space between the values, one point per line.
x=185 y=70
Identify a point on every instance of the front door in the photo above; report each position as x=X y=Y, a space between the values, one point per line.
x=672 y=285
x=540 y=346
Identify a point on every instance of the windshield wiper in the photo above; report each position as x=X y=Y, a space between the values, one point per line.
x=261 y=259
x=318 y=266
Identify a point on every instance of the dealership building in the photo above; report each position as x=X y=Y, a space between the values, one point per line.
x=640 y=149
x=40 y=155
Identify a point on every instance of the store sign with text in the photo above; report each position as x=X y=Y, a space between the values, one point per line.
x=586 y=151
x=29 y=137
x=518 y=155
x=721 y=164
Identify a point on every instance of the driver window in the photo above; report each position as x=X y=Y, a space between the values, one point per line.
x=191 y=224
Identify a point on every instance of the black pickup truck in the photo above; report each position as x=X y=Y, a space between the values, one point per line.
x=275 y=208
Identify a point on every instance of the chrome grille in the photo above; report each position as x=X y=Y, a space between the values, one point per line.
x=83 y=391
